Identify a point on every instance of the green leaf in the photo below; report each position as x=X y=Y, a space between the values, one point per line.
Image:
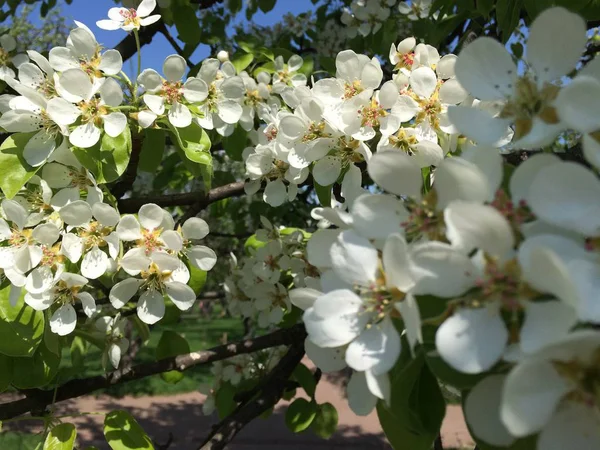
x=235 y=143
x=197 y=279
x=36 y=371
x=6 y=373
x=195 y=144
x=417 y=406
x=507 y=16
x=266 y=5
x=152 y=150
x=235 y=6
x=186 y=22
x=326 y=421
x=300 y=414
x=122 y=432
x=13 y=167
x=171 y=344
x=305 y=378
x=254 y=243
x=108 y=159
x=224 y=400
x=142 y=329
x=242 y=61
x=323 y=194
x=78 y=351
x=21 y=327
x=61 y=437
x=484 y=7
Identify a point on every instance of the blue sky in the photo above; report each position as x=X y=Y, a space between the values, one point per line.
x=153 y=55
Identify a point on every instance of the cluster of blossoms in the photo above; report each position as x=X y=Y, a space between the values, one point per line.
x=511 y=256
x=60 y=242
x=258 y=285
x=366 y=17
x=240 y=372
x=331 y=128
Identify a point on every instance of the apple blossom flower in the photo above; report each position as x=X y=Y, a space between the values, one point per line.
x=83 y=52
x=184 y=241
x=113 y=329
x=65 y=292
x=416 y=9
x=172 y=92
x=94 y=112
x=553 y=393
x=8 y=45
x=487 y=71
x=160 y=274
x=130 y=19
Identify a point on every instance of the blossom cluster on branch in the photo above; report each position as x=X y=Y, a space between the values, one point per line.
x=433 y=252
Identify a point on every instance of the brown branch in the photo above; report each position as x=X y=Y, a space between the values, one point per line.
x=274 y=386
x=126 y=181
x=198 y=200
x=37 y=399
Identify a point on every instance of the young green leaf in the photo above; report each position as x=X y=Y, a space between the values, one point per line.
x=122 y=432
x=171 y=344
x=326 y=421
x=300 y=414
x=15 y=171
x=21 y=327
x=61 y=437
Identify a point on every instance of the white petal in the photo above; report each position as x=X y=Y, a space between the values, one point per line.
x=354 y=259
x=174 y=67
x=335 y=319
x=64 y=320
x=574 y=425
x=472 y=226
x=275 y=193
x=326 y=359
x=85 y=136
x=327 y=170
x=105 y=214
x=94 y=263
x=135 y=260
x=77 y=83
x=202 y=257
x=441 y=270
x=532 y=392
x=486 y=69
x=423 y=81
x=551 y=54
x=39 y=302
x=150 y=80
x=46 y=233
x=151 y=307
x=523 y=176
x=62 y=112
x=111 y=92
x=155 y=103
x=111 y=63
x=230 y=111
x=76 y=213
x=304 y=298
x=472 y=340
x=376 y=349
x=378 y=216
x=566 y=194
x=195 y=90
x=459 y=179
x=318 y=247
x=88 y=303
x=108 y=24
x=544 y=323
x=151 y=216
x=129 y=228
x=396 y=264
x=179 y=115
x=397 y=173
x=181 y=295
x=72 y=247
x=123 y=291
x=478 y=124
x=115 y=123
x=360 y=398
x=482 y=411
x=195 y=228
x=14 y=212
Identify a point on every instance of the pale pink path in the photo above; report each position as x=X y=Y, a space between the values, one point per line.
x=182 y=415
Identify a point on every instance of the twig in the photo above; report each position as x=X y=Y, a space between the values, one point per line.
x=274 y=386
x=38 y=399
x=199 y=200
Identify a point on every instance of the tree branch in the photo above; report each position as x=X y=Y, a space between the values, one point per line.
x=37 y=399
x=167 y=34
x=198 y=200
x=274 y=386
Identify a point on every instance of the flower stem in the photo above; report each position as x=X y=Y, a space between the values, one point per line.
x=139 y=52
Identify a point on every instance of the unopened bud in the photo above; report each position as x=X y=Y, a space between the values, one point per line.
x=223 y=56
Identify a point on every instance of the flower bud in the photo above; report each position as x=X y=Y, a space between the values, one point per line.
x=223 y=56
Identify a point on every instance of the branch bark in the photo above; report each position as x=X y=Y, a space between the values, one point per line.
x=274 y=387
x=37 y=399
x=197 y=200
